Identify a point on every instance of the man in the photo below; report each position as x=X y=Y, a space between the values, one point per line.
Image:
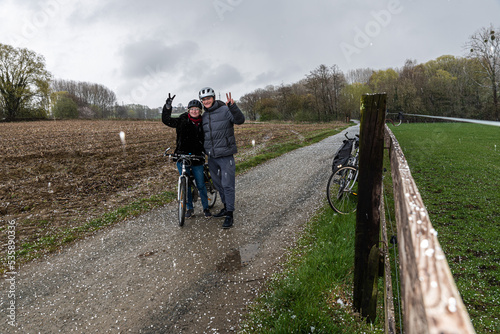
x=220 y=146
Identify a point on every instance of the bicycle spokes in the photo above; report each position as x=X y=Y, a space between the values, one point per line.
x=342 y=190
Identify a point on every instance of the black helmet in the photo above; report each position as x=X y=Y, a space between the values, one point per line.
x=207 y=91
x=194 y=103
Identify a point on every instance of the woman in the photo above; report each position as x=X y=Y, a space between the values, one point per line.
x=190 y=140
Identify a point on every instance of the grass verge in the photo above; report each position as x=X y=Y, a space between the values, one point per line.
x=456 y=167
x=313 y=292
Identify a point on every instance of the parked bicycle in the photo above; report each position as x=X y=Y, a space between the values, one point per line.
x=187 y=183
x=342 y=187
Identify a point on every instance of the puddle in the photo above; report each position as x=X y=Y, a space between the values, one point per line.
x=248 y=252
x=235 y=259
x=231 y=262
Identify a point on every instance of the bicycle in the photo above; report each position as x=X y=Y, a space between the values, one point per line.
x=187 y=183
x=342 y=187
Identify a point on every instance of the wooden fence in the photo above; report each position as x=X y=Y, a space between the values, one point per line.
x=430 y=299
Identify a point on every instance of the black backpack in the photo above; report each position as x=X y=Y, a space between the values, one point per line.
x=342 y=155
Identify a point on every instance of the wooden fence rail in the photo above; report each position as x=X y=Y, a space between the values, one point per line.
x=430 y=299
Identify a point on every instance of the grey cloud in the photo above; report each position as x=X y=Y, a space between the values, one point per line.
x=140 y=58
x=224 y=75
x=139 y=13
x=288 y=73
x=219 y=77
x=266 y=78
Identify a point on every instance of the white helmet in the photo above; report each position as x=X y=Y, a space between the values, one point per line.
x=206 y=91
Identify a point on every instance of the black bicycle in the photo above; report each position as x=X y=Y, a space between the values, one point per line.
x=187 y=183
x=342 y=187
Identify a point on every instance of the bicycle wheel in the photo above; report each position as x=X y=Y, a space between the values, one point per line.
x=342 y=190
x=182 y=199
x=211 y=193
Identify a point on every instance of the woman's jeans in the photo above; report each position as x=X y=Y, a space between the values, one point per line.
x=200 y=184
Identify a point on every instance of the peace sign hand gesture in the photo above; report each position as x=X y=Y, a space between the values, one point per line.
x=229 y=99
x=169 y=101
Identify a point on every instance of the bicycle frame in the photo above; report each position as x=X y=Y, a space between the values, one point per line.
x=185 y=176
x=186 y=161
x=351 y=179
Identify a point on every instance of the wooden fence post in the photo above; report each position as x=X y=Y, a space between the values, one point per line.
x=371 y=153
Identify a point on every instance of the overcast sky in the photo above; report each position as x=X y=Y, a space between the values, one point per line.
x=143 y=50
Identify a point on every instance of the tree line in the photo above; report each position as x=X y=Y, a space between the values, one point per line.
x=73 y=99
x=28 y=91
x=76 y=99
x=464 y=87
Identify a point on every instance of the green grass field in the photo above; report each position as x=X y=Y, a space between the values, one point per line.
x=457 y=170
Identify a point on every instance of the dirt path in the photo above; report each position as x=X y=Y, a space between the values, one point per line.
x=148 y=275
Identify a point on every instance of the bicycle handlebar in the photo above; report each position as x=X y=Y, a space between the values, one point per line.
x=188 y=157
x=353 y=138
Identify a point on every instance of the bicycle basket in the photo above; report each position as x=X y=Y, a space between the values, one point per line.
x=342 y=155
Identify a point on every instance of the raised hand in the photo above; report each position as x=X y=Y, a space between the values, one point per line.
x=169 y=101
x=229 y=99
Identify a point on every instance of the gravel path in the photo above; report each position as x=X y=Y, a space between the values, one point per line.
x=148 y=275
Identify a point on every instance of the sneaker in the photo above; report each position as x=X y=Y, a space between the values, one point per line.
x=228 y=222
x=189 y=213
x=222 y=213
x=207 y=213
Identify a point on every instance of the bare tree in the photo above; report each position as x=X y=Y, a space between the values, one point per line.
x=98 y=98
x=484 y=45
x=326 y=83
x=338 y=83
x=283 y=96
x=359 y=75
x=248 y=102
